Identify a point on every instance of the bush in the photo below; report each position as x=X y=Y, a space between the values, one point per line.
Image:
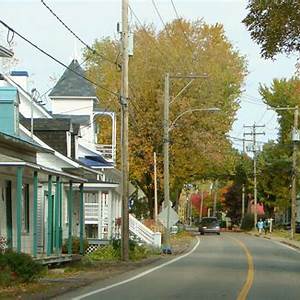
x=248 y=222
x=105 y=253
x=112 y=252
x=75 y=245
x=18 y=267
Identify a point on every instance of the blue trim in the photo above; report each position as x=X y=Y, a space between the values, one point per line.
x=19 y=73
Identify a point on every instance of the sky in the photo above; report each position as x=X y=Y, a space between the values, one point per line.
x=96 y=19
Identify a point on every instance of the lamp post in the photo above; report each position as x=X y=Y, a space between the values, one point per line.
x=167 y=129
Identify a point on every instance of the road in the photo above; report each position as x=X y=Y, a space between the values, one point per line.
x=229 y=266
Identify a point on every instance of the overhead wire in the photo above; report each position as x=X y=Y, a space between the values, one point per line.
x=155 y=45
x=94 y=51
x=182 y=29
x=58 y=61
x=84 y=43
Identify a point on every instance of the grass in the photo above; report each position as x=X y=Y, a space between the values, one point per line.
x=285 y=234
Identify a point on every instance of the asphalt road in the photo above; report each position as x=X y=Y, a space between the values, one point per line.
x=229 y=266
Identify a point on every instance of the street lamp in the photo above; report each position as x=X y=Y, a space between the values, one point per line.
x=167 y=129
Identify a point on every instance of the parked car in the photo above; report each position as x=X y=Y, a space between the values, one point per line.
x=209 y=225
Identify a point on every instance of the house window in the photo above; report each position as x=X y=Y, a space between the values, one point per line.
x=91 y=231
x=25 y=209
x=105 y=198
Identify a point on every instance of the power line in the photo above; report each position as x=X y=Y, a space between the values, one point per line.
x=94 y=51
x=156 y=46
x=182 y=29
x=167 y=32
x=46 y=92
x=58 y=61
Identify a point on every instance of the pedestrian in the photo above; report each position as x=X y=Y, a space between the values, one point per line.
x=260 y=226
x=266 y=225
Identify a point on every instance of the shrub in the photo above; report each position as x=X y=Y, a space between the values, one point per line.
x=18 y=267
x=105 y=253
x=248 y=222
x=75 y=245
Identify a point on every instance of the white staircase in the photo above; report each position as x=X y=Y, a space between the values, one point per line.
x=144 y=233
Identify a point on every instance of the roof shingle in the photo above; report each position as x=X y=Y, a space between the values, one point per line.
x=72 y=85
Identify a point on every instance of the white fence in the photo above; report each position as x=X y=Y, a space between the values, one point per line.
x=144 y=233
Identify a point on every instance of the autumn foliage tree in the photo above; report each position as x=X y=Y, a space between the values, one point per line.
x=274 y=25
x=198 y=145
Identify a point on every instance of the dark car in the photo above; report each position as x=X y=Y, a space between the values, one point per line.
x=209 y=225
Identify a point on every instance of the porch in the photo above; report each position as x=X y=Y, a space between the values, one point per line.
x=32 y=207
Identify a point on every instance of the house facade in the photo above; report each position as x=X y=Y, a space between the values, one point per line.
x=32 y=195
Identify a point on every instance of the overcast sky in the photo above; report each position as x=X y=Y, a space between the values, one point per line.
x=98 y=18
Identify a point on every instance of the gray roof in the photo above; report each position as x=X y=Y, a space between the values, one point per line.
x=76 y=119
x=72 y=85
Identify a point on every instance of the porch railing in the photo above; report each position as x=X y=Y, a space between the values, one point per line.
x=144 y=233
x=107 y=151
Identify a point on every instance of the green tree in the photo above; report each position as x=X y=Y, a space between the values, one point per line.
x=233 y=196
x=274 y=25
x=275 y=165
x=274 y=176
x=197 y=142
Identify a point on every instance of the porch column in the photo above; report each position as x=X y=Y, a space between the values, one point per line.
x=56 y=215
x=50 y=217
x=60 y=216
x=20 y=171
x=70 y=216
x=35 y=211
x=81 y=218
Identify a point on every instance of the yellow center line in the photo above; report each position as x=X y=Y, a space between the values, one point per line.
x=250 y=275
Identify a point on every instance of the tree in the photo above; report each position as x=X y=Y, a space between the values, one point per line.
x=274 y=25
x=197 y=141
x=274 y=176
x=233 y=196
x=275 y=161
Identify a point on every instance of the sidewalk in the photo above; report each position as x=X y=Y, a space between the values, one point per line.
x=275 y=236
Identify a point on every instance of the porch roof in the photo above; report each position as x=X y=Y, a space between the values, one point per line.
x=8 y=161
x=22 y=143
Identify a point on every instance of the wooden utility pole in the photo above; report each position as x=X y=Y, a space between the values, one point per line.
x=124 y=134
x=166 y=154
x=295 y=139
x=201 y=204
x=215 y=197
x=253 y=133
x=155 y=190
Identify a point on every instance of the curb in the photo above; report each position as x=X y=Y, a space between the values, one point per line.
x=282 y=241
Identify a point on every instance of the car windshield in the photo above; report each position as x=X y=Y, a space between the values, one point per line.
x=209 y=221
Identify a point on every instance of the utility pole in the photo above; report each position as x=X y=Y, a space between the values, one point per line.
x=166 y=156
x=155 y=190
x=124 y=134
x=201 y=204
x=215 y=184
x=253 y=133
x=295 y=139
x=243 y=185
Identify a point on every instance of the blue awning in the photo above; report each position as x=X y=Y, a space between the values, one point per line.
x=95 y=161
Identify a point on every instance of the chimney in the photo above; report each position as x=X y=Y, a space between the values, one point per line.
x=9 y=110
x=21 y=78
